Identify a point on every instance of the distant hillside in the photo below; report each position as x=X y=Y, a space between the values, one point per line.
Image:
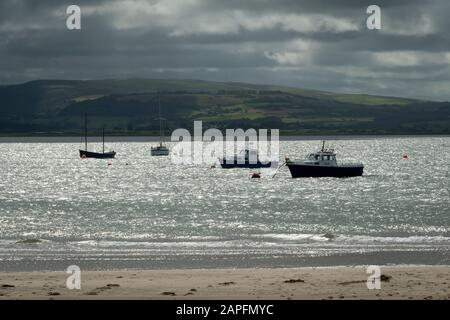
x=130 y=107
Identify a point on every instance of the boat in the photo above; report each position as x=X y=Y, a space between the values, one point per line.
x=323 y=164
x=90 y=154
x=246 y=159
x=161 y=149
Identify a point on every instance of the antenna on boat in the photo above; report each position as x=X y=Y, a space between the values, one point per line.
x=323 y=145
x=85 y=131
x=160 y=124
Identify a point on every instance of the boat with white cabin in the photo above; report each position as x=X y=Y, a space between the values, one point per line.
x=323 y=164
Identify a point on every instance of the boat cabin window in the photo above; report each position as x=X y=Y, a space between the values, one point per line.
x=317 y=157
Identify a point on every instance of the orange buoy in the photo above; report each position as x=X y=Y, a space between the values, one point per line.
x=405 y=156
x=256 y=175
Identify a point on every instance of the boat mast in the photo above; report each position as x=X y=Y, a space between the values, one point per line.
x=85 y=131
x=323 y=145
x=160 y=124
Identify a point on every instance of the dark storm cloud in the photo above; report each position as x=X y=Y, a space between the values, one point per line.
x=315 y=44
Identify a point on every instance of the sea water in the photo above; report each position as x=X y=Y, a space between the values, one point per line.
x=138 y=211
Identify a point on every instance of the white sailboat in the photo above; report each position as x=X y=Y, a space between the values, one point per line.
x=161 y=149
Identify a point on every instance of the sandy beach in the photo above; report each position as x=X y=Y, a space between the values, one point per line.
x=397 y=282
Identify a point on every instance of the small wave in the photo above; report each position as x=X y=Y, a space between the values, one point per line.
x=329 y=236
x=390 y=239
x=357 y=239
x=161 y=244
x=29 y=241
x=297 y=237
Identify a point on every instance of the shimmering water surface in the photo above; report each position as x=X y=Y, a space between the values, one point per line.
x=144 y=211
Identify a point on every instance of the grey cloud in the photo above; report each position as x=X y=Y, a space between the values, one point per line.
x=35 y=44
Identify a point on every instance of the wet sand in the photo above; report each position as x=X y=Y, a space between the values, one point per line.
x=337 y=283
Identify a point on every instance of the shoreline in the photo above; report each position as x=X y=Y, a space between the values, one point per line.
x=155 y=261
x=68 y=138
x=333 y=283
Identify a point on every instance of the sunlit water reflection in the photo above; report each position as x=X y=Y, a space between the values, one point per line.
x=144 y=208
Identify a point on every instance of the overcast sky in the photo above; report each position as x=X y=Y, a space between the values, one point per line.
x=314 y=44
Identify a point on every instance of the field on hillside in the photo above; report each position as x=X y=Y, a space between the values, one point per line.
x=130 y=107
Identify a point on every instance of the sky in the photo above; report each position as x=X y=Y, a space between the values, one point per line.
x=313 y=44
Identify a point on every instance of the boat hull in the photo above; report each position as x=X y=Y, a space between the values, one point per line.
x=97 y=155
x=307 y=171
x=159 y=152
x=235 y=164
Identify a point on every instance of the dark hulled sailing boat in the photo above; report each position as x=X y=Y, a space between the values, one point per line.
x=97 y=155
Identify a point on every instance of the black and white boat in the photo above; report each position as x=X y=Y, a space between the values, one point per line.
x=323 y=164
x=96 y=155
x=246 y=159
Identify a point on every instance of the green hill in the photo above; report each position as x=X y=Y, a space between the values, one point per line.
x=130 y=107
